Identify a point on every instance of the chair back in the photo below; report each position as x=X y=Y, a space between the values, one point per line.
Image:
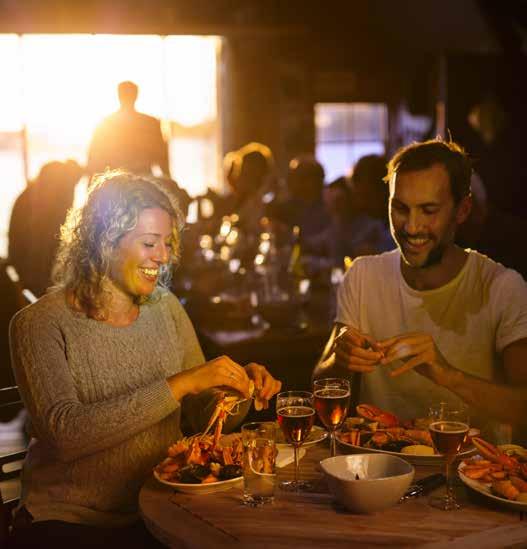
x=11 y=457
x=14 y=298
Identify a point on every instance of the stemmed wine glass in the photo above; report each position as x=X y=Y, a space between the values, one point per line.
x=449 y=425
x=296 y=415
x=332 y=399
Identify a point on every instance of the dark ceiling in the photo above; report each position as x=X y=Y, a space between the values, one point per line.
x=426 y=25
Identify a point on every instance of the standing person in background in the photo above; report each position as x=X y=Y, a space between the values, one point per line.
x=35 y=223
x=108 y=366
x=429 y=321
x=128 y=139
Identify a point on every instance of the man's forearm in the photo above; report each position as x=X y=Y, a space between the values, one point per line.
x=502 y=402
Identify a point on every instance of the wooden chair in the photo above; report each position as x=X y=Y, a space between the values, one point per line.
x=10 y=467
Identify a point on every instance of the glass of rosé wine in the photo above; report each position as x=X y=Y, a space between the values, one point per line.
x=449 y=426
x=296 y=415
x=332 y=400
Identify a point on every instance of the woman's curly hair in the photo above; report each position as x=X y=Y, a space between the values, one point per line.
x=91 y=234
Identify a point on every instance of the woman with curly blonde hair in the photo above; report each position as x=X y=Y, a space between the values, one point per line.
x=108 y=365
x=89 y=236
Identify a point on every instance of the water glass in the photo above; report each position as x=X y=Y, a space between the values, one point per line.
x=259 y=462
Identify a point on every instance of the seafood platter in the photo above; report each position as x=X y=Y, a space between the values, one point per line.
x=379 y=431
x=197 y=465
x=206 y=463
x=497 y=472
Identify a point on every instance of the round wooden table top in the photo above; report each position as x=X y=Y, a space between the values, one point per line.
x=316 y=520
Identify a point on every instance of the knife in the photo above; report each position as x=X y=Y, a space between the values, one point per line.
x=425 y=485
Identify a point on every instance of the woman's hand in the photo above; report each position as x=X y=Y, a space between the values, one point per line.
x=218 y=372
x=265 y=385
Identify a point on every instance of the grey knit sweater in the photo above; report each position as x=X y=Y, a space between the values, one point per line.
x=101 y=410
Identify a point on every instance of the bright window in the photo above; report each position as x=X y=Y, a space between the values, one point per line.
x=57 y=88
x=347 y=131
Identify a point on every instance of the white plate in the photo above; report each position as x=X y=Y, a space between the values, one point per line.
x=316 y=435
x=208 y=488
x=348 y=448
x=484 y=488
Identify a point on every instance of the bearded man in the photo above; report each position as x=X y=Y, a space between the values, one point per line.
x=429 y=321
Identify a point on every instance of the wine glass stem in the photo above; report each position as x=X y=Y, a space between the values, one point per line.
x=295 y=451
x=448 y=466
x=332 y=444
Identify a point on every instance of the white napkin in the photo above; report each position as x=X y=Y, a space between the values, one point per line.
x=286 y=456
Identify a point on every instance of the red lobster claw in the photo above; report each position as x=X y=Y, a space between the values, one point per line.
x=385 y=419
x=492 y=453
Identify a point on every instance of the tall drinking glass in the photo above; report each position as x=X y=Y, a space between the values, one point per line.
x=448 y=428
x=296 y=415
x=332 y=400
x=259 y=462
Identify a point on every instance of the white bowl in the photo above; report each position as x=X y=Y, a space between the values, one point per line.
x=365 y=483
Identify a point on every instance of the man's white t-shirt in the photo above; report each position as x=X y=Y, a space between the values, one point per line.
x=472 y=319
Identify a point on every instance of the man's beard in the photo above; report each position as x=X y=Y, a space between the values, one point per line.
x=435 y=255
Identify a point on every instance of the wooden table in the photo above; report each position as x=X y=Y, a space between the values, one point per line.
x=315 y=520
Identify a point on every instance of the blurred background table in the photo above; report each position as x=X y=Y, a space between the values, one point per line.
x=289 y=343
x=315 y=520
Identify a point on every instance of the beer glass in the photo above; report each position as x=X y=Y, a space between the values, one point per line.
x=296 y=415
x=332 y=400
x=449 y=425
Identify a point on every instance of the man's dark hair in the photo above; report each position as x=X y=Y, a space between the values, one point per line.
x=419 y=156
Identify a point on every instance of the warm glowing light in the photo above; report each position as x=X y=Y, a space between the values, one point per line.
x=191 y=80
x=61 y=86
x=57 y=88
x=206 y=242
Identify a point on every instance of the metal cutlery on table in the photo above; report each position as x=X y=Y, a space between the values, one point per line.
x=424 y=486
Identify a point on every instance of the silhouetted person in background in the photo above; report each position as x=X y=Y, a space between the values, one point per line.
x=493 y=232
x=249 y=175
x=128 y=139
x=357 y=207
x=305 y=205
x=35 y=222
x=369 y=192
x=497 y=151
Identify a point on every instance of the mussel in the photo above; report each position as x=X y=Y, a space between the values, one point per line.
x=193 y=473
x=230 y=471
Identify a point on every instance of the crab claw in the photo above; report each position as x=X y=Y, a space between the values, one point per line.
x=224 y=406
x=213 y=417
x=492 y=453
x=385 y=419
